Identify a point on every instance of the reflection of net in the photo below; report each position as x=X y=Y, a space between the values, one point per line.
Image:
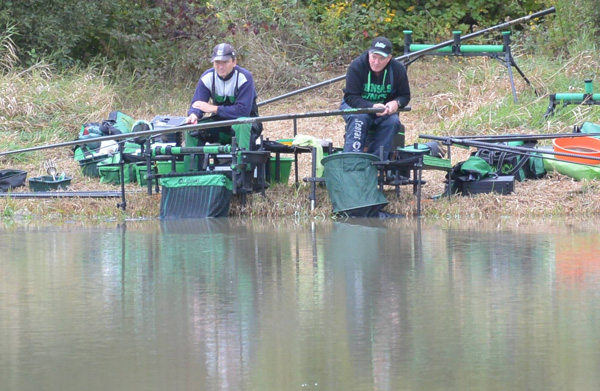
x=195 y=226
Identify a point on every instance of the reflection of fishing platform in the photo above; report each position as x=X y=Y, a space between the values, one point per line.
x=501 y=53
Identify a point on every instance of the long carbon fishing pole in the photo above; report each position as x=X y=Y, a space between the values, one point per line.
x=509 y=148
x=420 y=53
x=203 y=125
x=525 y=137
x=63 y=194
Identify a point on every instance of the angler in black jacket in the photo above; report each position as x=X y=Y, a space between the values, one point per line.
x=374 y=79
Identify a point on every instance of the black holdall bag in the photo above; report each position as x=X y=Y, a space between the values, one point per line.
x=513 y=164
x=10 y=179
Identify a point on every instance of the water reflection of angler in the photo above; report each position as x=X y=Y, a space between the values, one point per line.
x=376 y=288
x=354 y=251
x=226 y=91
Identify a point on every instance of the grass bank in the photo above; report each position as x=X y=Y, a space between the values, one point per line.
x=468 y=96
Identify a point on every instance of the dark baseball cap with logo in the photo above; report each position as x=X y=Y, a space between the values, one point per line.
x=381 y=46
x=223 y=52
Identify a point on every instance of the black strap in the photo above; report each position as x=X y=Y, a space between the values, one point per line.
x=524 y=159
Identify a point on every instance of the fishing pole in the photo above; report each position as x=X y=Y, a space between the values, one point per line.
x=526 y=137
x=63 y=194
x=509 y=148
x=420 y=53
x=203 y=125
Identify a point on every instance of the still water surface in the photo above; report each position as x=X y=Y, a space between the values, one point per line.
x=221 y=304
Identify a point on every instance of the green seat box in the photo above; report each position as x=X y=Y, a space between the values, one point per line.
x=89 y=164
x=140 y=173
x=111 y=173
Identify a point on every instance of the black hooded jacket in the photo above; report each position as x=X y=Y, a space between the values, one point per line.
x=364 y=88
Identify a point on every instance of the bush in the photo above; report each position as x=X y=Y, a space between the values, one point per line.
x=172 y=39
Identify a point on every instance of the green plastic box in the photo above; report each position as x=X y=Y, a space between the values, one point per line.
x=285 y=167
x=47 y=183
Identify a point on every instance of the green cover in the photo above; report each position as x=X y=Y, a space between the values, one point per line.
x=477 y=167
x=351 y=180
x=576 y=171
x=436 y=163
x=123 y=122
x=590 y=127
x=164 y=167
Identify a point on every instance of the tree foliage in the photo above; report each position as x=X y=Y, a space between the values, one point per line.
x=160 y=36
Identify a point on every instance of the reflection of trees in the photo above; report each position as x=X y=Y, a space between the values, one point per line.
x=223 y=304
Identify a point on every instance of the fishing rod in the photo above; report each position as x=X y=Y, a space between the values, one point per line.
x=526 y=137
x=509 y=148
x=420 y=53
x=203 y=125
x=63 y=194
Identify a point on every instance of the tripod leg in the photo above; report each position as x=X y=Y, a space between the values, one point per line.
x=508 y=62
x=514 y=64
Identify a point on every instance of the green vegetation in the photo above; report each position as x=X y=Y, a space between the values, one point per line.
x=80 y=61
x=163 y=38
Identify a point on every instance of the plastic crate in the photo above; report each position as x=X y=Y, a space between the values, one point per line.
x=47 y=183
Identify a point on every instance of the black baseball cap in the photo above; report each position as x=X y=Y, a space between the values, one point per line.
x=381 y=46
x=222 y=52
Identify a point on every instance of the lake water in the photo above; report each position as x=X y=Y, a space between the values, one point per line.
x=225 y=304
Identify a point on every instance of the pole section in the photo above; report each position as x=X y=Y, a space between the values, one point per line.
x=203 y=125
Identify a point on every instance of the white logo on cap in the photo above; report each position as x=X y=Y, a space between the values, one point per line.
x=380 y=45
